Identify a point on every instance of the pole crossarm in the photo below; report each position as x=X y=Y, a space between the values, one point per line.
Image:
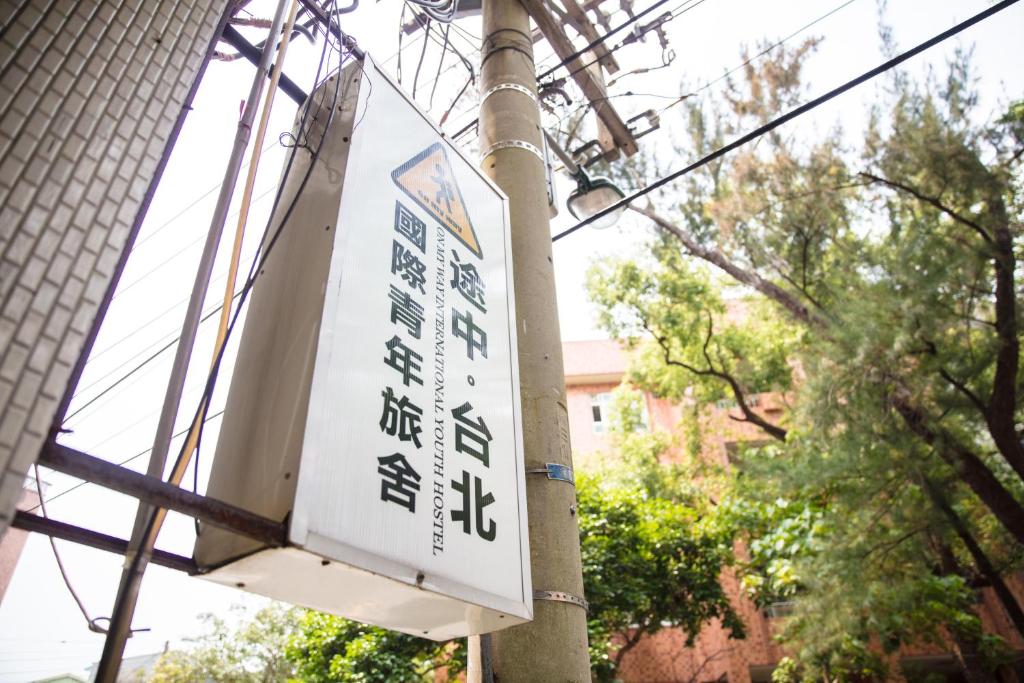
x=26 y=521
x=161 y=494
x=588 y=80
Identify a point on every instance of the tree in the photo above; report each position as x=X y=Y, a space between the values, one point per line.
x=890 y=270
x=650 y=558
x=251 y=652
x=332 y=649
x=647 y=562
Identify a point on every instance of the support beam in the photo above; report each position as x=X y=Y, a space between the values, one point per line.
x=589 y=83
x=161 y=494
x=94 y=539
x=232 y=37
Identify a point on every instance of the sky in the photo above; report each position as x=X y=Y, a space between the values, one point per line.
x=41 y=631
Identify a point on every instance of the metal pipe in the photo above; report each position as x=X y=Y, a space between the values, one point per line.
x=236 y=40
x=142 y=541
x=94 y=539
x=571 y=166
x=158 y=492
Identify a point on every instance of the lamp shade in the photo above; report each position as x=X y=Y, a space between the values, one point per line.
x=592 y=196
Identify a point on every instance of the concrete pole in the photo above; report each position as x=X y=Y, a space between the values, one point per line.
x=554 y=646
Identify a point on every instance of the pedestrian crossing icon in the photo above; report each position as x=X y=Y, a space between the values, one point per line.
x=429 y=180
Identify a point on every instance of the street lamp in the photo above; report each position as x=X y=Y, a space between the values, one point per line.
x=592 y=195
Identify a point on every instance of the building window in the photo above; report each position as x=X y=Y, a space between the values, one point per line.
x=600 y=406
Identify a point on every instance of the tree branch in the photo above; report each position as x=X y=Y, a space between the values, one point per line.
x=749 y=415
x=931 y=201
x=716 y=258
x=631 y=642
x=968 y=465
x=933 y=350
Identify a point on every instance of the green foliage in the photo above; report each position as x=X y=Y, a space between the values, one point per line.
x=253 y=651
x=675 y=301
x=330 y=649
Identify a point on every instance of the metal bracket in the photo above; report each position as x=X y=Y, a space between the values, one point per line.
x=509 y=86
x=556 y=471
x=514 y=144
x=562 y=596
x=653 y=123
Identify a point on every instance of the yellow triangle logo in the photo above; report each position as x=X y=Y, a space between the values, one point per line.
x=429 y=180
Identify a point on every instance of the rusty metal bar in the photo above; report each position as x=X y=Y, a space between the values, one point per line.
x=94 y=539
x=161 y=494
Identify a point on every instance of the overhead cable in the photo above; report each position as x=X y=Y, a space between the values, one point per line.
x=760 y=54
x=790 y=115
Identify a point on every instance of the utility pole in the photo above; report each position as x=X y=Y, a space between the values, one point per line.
x=553 y=647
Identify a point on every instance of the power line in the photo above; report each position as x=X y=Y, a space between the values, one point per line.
x=141 y=365
x=760 y=54
x=792 y=114
x=193 y=204
x=165 y=261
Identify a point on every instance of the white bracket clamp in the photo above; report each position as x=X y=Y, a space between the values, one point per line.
x=562 y=596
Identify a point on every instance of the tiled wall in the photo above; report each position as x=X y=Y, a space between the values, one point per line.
x=89 y=94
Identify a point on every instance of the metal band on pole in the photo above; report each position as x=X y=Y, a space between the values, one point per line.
x=556 y=472
x=514 y=144
x=514 y=87
x=562 y=596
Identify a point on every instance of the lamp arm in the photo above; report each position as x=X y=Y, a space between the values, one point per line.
x=570 y=166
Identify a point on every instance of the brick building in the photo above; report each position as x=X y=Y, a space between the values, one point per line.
x=593 y=369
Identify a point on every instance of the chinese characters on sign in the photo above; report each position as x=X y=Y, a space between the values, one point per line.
x=400 y=417
x=422 y=255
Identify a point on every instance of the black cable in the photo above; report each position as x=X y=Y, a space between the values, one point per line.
x=265 y=247
x=440 y=64
x=458 y=97
x=429 y=34
x=401 y=34
x=257 y=263
x=419 y=64
x=792 y=114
